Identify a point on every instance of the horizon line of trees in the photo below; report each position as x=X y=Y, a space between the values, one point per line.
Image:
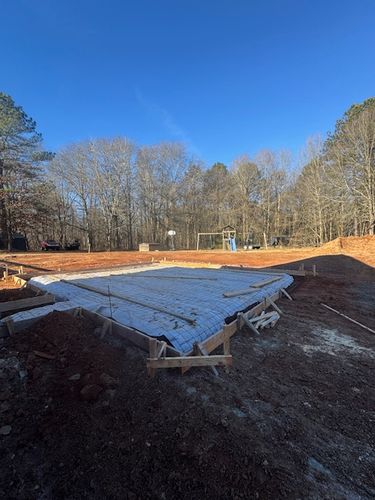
x=112 y=194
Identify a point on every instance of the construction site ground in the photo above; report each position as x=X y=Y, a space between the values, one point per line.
x=362 y=249
x=293 y=418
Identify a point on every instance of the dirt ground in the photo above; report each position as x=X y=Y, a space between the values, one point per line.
x=9 y=290
x=294 y=418
x=360 y=248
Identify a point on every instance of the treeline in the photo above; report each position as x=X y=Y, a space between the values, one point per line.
x=112 y=194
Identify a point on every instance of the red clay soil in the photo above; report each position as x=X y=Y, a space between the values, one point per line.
x=294 y=418
x=361 y=248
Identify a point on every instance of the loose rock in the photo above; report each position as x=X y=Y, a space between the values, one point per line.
x=108 y=381
x=91 y=392
x=5 y=430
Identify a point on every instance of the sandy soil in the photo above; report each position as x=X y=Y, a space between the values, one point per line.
x=294 y=418
x=362 y=249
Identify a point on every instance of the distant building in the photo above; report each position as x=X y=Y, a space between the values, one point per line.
x=19 y=242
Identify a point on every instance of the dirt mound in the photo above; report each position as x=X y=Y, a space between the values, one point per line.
x=350 y=244
x=9 y=290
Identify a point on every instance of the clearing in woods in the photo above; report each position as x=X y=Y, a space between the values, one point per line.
x=294 y=417
x=362 y=249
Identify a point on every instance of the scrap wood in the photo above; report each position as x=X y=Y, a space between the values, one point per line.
x=270 y=321
x=236 y=293
x=348 y=318
x=192 y=321
x=261 y=319
x=263 y=315
x=260 y=284
x=44 y=355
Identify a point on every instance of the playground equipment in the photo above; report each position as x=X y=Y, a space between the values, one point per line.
x=228 y=239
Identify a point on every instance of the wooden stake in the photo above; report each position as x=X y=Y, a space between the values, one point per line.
x=153 y=356
x=162 y=350
x=10 y=324
x=203 y=351
x=249 y=324
x=284 y=292
x=226 y=344
x=277 y=308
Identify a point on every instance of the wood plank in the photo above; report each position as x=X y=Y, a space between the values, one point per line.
x=263 y=283
x=190 y=361
x=45 y=355
x=273 y=320
x=161 y=309
x=28 y=303
x=255 y=319
x=237 y=293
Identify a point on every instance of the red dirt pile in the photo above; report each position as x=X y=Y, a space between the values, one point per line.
x=351 y=244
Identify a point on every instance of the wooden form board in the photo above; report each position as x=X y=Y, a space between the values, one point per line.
x=199 y=357
x=13 y=327
x=128 y=334
x=24 y=304
x=29 y=266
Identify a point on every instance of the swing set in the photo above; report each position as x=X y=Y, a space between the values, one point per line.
x=228 y=239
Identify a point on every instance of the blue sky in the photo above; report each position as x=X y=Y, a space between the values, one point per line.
x=225 y=77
